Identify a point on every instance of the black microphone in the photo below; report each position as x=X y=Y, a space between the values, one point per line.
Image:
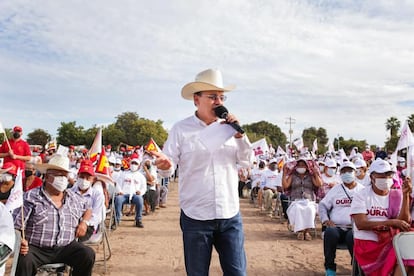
x=222 y=113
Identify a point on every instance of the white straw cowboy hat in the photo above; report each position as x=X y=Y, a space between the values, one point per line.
x=210 y=79
x=57 y=162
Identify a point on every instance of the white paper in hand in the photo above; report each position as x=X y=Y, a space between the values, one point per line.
x=215 y=135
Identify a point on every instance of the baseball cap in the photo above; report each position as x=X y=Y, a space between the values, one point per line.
x=360 y=163
x=330 y=163
x=273 y=160
x=136 y=160
x=380 y=166
x=347 y=164
x=86 y=166
x=17 y=129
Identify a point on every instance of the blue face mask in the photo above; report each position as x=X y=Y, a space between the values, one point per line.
x=348 y=177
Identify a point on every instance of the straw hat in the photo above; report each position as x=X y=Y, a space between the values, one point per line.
x=210 y=79
x=57 y=162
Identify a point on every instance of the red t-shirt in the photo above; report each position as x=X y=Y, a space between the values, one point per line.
x=19 y=147
x=368 y=155
x=37 y=182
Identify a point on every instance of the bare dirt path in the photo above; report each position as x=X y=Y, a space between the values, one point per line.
x=157 y=249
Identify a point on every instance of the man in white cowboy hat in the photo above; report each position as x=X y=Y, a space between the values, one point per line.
x=208 y=182
x=54 y=217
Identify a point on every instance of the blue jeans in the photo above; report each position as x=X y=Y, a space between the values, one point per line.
x=227 y=237
x=120 y=200
x=332 y=237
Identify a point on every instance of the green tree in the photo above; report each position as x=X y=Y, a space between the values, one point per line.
x=393 y=125
x=273 y=133
x=411 y=122
x=349 y=144
x=309 y=135
x=70 y=134
x=138 y=131
x=8 y=133
x=38 y=137
x=111 y=135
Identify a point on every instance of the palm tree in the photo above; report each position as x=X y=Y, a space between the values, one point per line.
x=393 y=125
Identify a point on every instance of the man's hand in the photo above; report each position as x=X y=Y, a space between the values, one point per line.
x=24 y=247
x=81 y=229
x=162 y=162
x=329 y=223
x=407 y=185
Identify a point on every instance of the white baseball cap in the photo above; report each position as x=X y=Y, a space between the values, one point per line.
x=360 y=163
x=347 y=164
x=381 y=166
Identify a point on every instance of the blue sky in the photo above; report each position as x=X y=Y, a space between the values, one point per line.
x=345 y=66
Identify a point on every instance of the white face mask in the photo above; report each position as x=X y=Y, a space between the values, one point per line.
x=348 y=177
x=331 y=171
x=321 y=168
x=60 y=183
x=117 y=169
x=134 y=168
x=83 y=184
x=300 y=170
x=384 y=183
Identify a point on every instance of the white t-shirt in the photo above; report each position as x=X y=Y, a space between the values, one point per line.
x=271 y=179
x=326 y=179
x=336 y=205
x=257 y=176
x=374 y=206
x=366 y=181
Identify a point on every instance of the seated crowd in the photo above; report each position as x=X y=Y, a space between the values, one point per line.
x=361 y=204
x=65 y=201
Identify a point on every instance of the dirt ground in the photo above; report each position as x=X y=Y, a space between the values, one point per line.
x=157 y=248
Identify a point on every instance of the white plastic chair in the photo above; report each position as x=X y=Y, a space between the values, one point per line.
x=403 y=245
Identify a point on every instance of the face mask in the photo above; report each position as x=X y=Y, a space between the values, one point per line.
x=401 y=164
x=117 y=169
x=16 y=135
x=321 y=168
x=384 y=183
x=83 y=184
x=331 y=171
x=348 y=177
x=28 y=173
x=358 y=172
x=6 y=177
x=300 y=170
x=134 y=168
x=60 y=183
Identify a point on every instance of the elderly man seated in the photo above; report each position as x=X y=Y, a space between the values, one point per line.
x=271 y=185
x=334 y=211
x=54 y=217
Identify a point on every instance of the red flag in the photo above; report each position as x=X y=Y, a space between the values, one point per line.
x=96 y=146
x=152 y=146
x=102 y=167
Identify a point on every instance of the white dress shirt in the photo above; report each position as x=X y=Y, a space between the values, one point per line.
x=208 y=181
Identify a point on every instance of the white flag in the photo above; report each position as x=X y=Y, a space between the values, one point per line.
x=62 y=150
x=315 y=145
x=280 y=151
x=15 y=199
x=2 y=128
x=260 y=147
x=406 y=138
x=298 y=142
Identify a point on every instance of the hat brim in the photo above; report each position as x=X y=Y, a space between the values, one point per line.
x=193 y=87
x=42 y=168
x=103 y=177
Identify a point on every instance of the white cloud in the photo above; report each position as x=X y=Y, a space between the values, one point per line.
x=342 y=65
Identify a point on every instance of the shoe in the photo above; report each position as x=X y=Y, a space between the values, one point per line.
x=139 y=224
x=308 y=236
x=163 y=206
x=113 y=226
x=300 y=236
x=330 y=272
x=129 y=214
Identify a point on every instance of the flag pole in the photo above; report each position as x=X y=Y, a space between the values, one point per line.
x=23 y=234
